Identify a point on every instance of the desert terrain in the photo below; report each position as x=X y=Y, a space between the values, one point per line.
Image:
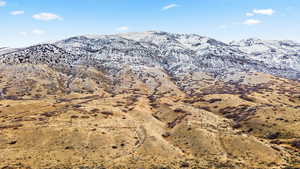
x=79 y=118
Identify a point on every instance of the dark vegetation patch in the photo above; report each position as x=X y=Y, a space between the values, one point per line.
x=12 y=142
x=272 y=135
x=179 y=110
x=107 y=113
x=177 y=120
x=234 y=88
x=214 y=100
x=240 y=113
x=95 y=110
x=49 y=114
x=13 y=126
x=206 y=108
x=85 y=117
x=74 y=117
x=296 y=144
x=76 y=105
x=167 y=134
x=247 y=98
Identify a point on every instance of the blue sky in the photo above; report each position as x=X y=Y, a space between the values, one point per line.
x=26 y=22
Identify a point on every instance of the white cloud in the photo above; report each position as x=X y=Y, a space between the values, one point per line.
x=46 y=16
x=169 y=7
x=38 y=32
x=123 y=28
x=264 y=11
x=2 y=3
x=249 y=14
x=17 y=12
x=252 y=22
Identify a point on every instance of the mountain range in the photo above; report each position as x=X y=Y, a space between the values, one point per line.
x=150 y=100
x=175 y=53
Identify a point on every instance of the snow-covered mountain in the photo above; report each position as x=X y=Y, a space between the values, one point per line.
x=176 y=54
x=46 y=53
x=281 y=54
x=4 y=50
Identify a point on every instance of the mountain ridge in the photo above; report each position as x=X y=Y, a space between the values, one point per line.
x=178 y=53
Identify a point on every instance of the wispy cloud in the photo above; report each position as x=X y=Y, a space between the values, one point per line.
x=17 y=12
x=2 y=3
x=252 y=22
x=46 y=16
x=169 y=7
x=264 y=11
x=261 y=12
x=38 y=32
x=123 y=28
